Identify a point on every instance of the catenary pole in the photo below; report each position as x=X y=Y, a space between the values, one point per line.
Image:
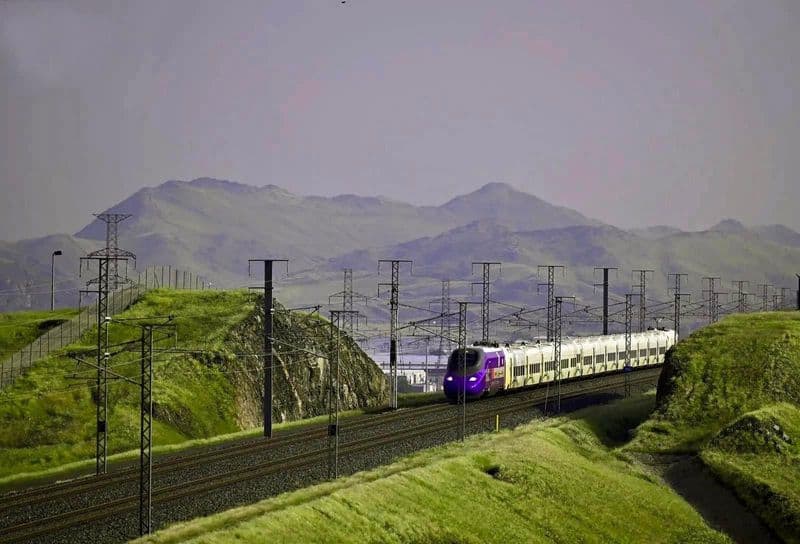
x=269 y=336
x=394 y=302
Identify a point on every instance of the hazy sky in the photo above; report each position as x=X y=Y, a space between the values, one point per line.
x=632 y=112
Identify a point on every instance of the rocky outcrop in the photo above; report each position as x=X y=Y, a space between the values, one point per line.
x=302 y=368
x=673 y=367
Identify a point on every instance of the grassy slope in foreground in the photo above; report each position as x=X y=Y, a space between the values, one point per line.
x=731 y=393
x=18 y=329
x=553 y=481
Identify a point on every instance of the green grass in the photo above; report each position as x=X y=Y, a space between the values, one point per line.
x=200 y=396
x=549 y=481
x=47 y=419
x=76 y=468
x=18 y=329
x=722 y=372
x=727 y=387
x=412 y=400
x=758 y=455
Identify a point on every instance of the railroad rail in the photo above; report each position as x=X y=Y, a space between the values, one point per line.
x=179 y=461
x=54 y=524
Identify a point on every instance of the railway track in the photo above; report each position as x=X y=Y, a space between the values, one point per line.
x=54 y=524
x=182 y=461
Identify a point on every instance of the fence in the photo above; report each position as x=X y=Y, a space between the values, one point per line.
x=154 y=277
x=70 y=331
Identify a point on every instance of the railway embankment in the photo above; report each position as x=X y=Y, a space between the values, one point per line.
x=552 y=480
x=729 y=398
x=207 y=387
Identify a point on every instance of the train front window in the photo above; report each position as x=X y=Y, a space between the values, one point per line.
x=456 y=363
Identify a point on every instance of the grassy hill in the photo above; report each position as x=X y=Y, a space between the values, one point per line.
x=18 y=329
x=731 y=393
x=47 y=417
x=552 y=481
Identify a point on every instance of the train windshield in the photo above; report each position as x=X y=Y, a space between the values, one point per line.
x=473 y=362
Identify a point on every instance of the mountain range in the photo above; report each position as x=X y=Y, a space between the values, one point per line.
x=213 y=227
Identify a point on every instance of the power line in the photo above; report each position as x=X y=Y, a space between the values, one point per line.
x=785 y=297
x=107 y=280
x=557 y=345
x=676 y=291
x=741 y=295
x=642 y=285
x=394 y=294
x=444 y=321
x=713 y=297
x=485 y=284
x=628 y=326
x=146 y=429
x=550 y=284
x=462 y=353
x=765 y=287
x=348 y=296
x=334 y=389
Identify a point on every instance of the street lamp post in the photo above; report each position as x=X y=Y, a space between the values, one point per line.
x=53 y=279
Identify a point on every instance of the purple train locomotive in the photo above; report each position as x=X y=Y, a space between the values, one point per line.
x=488 y=369
x=482 y=372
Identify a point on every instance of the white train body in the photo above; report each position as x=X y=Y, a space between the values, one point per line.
x=491 y=369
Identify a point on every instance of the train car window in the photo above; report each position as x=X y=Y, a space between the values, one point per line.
x=612 y=357
x=473 y=362
x=653 y=352
x=564 y=363
x=662 y=350
x=643 y=353
x=633 y=354
x=573 y=362
x=587 y=360
x=537 y=368
x=600 y=358
x=621 y=355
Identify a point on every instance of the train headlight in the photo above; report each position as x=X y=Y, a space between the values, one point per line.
x=473 y=378
x=449 y=378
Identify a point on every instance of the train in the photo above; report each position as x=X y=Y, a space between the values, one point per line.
x=487 y=369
